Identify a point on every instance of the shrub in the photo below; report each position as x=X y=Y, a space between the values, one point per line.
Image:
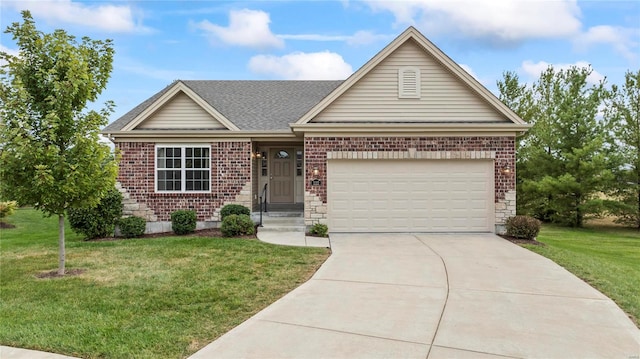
x=7 y=208
x=319 y=230
x=237 y=225
x=233 y=209
x=183 y=221
x=99 y=221
x=524 y=227
x=131 y=227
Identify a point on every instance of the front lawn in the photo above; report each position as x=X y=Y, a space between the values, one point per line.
x=142 y=298
x=606 y=258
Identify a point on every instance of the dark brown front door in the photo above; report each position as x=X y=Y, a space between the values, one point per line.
x=281 y=177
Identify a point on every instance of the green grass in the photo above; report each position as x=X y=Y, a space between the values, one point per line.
x=142 y=298
x=606 y=258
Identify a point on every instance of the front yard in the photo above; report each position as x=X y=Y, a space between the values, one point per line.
x=606 y=258
x=143 y=298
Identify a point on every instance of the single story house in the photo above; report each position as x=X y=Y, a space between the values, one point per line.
x=408 y=143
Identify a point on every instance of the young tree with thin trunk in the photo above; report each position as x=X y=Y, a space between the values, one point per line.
x=623 y=112
x=50 y=154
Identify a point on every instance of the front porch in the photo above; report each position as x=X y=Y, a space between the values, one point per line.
x=278 y=186
x=277 y=178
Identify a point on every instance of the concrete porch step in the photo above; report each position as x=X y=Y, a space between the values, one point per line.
x=282 y=214
x=282 y=224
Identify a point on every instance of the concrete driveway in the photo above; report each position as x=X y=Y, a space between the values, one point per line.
x=434 y=296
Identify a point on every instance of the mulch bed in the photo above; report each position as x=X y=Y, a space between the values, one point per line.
x=6 y=225
x=210 y=232
x=54 y=273
x=521 y=241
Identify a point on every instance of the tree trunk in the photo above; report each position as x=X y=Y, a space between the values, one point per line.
x=637 y=216
x=579 y=214
x=61 y=251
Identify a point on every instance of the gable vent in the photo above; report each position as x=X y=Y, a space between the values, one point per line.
x=409 y=82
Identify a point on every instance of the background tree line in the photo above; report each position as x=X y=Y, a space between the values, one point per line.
x=581 y=158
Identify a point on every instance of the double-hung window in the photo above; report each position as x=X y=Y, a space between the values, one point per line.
x=183 y=169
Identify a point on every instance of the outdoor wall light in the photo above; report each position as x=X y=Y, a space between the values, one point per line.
x=256 y=154
x=506 y=170
x=315 y=171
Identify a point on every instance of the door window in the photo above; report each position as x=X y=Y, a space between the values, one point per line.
x=282 y=154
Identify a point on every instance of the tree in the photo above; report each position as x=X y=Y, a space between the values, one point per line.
x=562 y=160
x=623 y=112
x=51 y=158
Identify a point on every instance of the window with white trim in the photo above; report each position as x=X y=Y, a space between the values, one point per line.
x=183 y=169
x=408 y=82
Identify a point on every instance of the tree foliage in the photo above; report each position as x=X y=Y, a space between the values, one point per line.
x=563 y=163
x=51 y=157
x=623 y=112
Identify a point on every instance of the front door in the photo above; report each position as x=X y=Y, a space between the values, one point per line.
x=281 y=177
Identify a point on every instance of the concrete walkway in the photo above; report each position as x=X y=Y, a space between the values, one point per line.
x=434 y=296
x=19 y=353
x=293 y=239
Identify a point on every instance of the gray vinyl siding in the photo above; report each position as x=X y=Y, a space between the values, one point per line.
x=181 y=112
x=443 y=97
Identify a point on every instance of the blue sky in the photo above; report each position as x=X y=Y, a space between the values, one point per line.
x=159 y=41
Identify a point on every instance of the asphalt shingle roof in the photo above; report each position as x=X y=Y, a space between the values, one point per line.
x=250 y=105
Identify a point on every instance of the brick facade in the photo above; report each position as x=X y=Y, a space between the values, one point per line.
x=319 y=149
x=230 y=182
x=231 y=172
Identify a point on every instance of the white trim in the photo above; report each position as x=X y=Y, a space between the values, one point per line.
x=167 y=96
x=414 y=128
x=411 y=155
x=183 y=169
x=214 y=135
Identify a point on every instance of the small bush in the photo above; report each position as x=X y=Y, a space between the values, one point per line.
x=131 y=227
x=7 y=208
x=183 y=221
x=319 y=230
x=99 y=221
x=237 y=225
x=233 y=209
x=524 y=227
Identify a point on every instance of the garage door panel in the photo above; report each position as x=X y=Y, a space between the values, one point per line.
x=410 y=195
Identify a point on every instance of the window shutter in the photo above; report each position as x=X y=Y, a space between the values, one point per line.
x=409 y=82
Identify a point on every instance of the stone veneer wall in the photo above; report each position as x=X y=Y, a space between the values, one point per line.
x=230 y=182
x=319 y=149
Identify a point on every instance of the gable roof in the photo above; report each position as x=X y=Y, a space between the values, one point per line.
x=412 y=34
x=167 y=95
x=239 y=105
x=278 y=107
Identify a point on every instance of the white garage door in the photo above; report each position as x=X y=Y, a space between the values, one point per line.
x=410 y=195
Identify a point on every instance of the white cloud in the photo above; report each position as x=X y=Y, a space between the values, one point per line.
x=132 y=66
x=8 y=51
x=469 y=70
x=106 y=141
x=501 y=22
x=533 y=70
x=114 y=18
x=621 y=39
x=366 y=37
x=248 y=28
x=314 y=37
x=12 y=52
x=358 y=38
x=302 y=66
